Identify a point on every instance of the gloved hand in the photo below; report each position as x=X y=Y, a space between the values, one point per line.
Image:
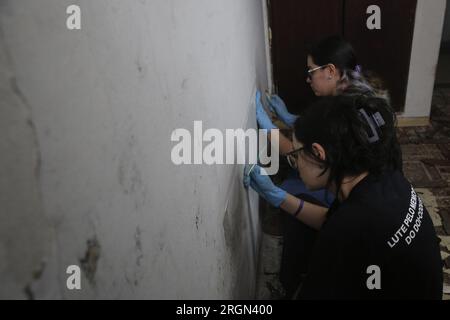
x=279 y=107
x=263 y=186
x=261 y=115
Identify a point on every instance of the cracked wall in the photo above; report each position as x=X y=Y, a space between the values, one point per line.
x=86 y=119
x=25 y=233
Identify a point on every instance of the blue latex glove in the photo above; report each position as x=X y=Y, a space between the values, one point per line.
x=279 y=107
x=264 y=186
x=263 y=119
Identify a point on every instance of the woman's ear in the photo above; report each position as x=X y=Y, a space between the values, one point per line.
x=319 y=151
x=333 y=71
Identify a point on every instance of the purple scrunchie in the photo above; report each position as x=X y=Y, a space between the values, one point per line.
x=358 y=68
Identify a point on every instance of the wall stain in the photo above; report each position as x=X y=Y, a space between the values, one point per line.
x=90 y=260
x=233 y=221
x=15 y=88
x=198 y=219
x=29 y=292
x=35 y=276
x=128 y=172
x=184 y=84
x=138 y=246
x=129 y=175
x=141 y=68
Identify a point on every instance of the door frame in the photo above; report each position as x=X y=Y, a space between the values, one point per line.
x=268 y=46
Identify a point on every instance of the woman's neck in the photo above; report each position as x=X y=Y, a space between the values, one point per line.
x=348 y=183
x=341 y=86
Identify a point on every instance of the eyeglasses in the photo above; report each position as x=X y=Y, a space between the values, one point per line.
x=292 y=157
x=309 y=72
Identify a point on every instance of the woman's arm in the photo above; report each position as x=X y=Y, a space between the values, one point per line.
x=311 y=214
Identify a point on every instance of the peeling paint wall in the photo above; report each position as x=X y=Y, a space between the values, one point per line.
x=86 y=176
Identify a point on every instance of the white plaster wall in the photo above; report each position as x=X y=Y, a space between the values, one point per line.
x=102 y=103
x=424 y=57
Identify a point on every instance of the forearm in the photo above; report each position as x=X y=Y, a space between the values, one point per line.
x=311 y=214
x=284 y=143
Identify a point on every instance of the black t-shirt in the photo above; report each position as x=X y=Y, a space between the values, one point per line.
x=382 y=224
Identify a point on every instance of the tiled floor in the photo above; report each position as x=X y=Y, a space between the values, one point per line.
x=426 y=158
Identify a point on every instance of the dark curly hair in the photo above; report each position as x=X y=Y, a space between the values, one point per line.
x=357 y=132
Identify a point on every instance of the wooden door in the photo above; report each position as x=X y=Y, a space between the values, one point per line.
x=386 y=51
x=293 y=24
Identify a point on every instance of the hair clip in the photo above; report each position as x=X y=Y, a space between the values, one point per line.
x=376 y=120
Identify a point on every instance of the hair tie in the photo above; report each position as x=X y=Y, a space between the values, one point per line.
x=358 y=68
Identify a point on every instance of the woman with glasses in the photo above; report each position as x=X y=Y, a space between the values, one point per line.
x=377 y=240
x=332 y=70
